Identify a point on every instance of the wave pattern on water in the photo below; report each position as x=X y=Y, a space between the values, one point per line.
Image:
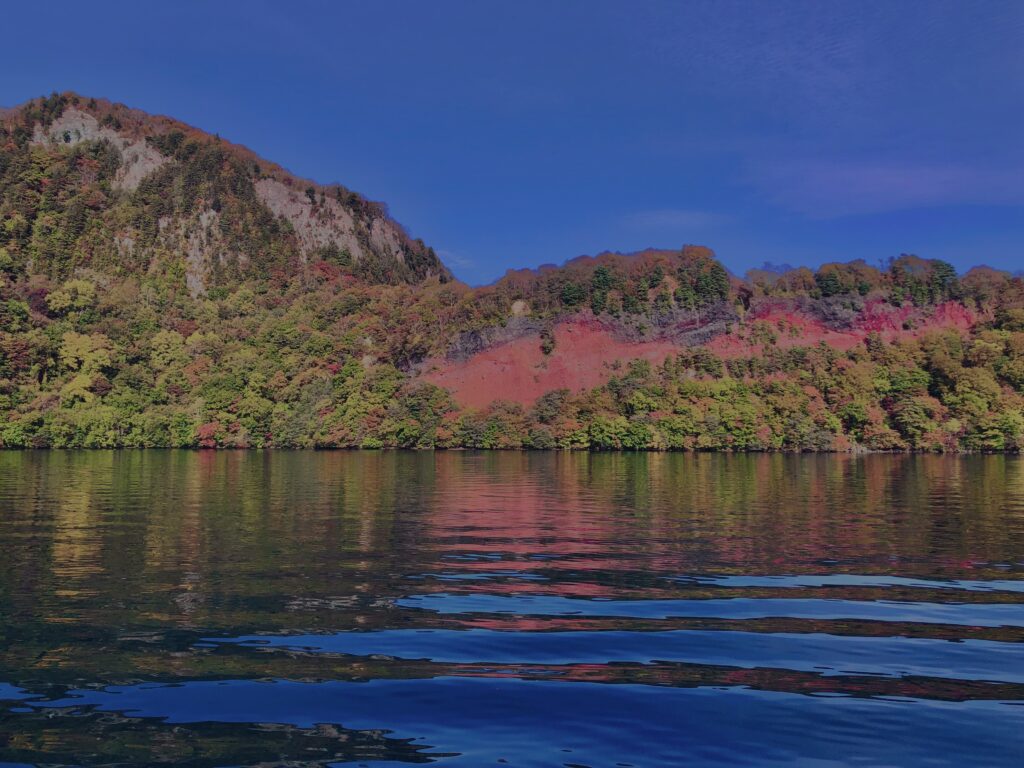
x=213 y=609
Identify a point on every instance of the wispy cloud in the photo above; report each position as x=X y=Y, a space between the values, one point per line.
x=465 y=268
x=830 y=189
x=676 y=219
x=456 y=260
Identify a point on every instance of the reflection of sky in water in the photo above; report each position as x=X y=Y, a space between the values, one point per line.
x=830 y=654
x=600 y=725
x=985 y=614
x=8 y=692
x=852 y=580
x=237 y=609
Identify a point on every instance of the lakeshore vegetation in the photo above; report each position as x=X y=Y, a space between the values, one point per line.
x=104 y=343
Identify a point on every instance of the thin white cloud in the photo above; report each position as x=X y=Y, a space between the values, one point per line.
x=682 y=219
x=456 y=260
x=829 y=189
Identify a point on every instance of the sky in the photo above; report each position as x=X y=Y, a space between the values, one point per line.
x=514 y=134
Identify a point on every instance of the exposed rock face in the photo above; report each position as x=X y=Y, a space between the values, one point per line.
x=324 y=222
x=202 y=246
x=138 y=159
x=466 y=345
x=170 y=192
x=316 y=227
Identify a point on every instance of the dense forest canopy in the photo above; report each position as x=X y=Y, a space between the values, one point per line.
x=162 y=287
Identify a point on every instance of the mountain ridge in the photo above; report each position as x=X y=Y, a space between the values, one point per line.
x=200 y=174
x=160 y=287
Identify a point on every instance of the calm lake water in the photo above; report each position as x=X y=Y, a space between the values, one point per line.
x=215 y=609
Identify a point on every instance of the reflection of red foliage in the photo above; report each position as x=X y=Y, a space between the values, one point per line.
x=550 y=528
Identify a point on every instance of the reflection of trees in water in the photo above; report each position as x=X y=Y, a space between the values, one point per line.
x=117 y=565
x=84 y=738
x=715 y=512
x=227 y=540
x=33 y=731
x=188 y=536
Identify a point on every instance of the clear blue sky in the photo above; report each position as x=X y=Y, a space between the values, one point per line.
x=519 y=133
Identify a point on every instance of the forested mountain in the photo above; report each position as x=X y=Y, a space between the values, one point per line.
x=162 y=287
x=91 y=185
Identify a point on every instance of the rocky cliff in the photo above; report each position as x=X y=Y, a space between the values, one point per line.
x=87 y=184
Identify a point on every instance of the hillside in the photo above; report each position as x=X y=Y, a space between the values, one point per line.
x=163 y=287
x=86 y=184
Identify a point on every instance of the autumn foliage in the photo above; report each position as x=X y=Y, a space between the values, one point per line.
x=103 y=344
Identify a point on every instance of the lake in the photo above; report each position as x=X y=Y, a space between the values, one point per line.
x=523 y=609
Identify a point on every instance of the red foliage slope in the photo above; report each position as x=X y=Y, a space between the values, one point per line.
x=587 y=350
x=518 y=371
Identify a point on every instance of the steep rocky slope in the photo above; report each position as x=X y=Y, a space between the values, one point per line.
x=86 y=184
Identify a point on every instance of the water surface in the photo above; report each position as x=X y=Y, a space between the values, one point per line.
x=224 y=609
